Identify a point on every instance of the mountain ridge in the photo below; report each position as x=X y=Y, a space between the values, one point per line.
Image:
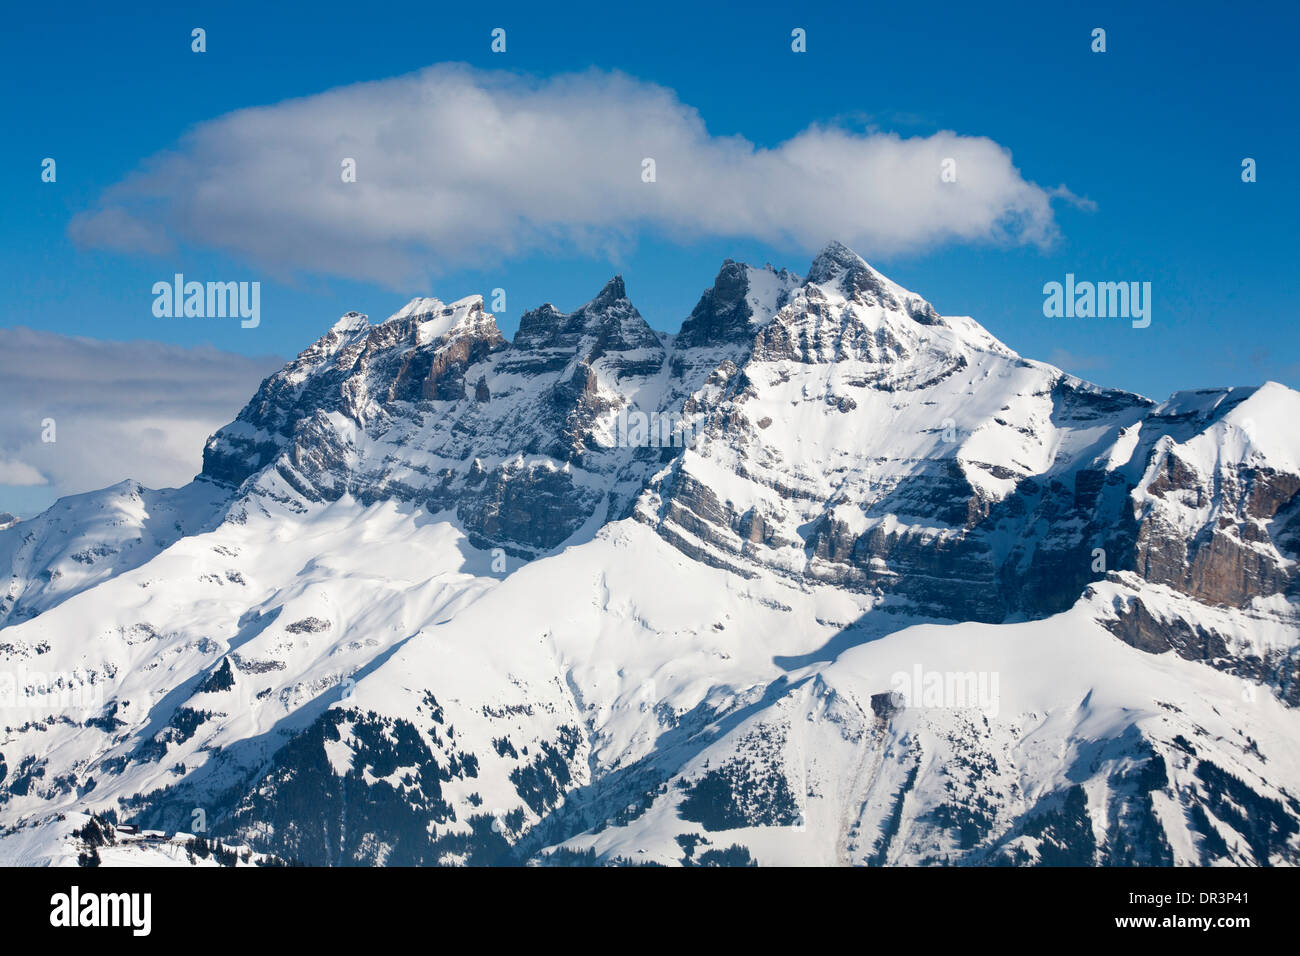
x=600 y=594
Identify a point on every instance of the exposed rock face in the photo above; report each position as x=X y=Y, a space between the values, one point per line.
x=388 y=411
x=1233 y=557
x=902 y=472
x=361 y=372
x=1216 y=510
x=537 y=508
x=608 y=325
x=736 y=307
x=520 y=439
x=898 y=489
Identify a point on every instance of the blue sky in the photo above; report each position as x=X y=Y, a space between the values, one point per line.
x=1151 y=133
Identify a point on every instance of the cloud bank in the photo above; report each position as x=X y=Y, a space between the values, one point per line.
x=120 y=410
x=457 y=166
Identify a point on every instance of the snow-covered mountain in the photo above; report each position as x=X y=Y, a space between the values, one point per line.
x=826 y=577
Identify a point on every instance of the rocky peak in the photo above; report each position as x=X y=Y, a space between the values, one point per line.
x=612 y=291
x=846 y=309
x=364 y=411
x=350 y=322
x=609 y=327
x=840 y=268
x=425 y=320
x=741 y=300
x=835 y=259
x=722 y=314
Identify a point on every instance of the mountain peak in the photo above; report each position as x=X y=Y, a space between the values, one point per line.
x=740 y=300
x=420 y=305
x=838 y=262
x=837 y=252
x=351 y=322
x=609 y=322
x=838 y=268
x=612 y=291
x=437 y=318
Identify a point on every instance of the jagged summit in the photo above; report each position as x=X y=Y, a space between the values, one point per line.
x=741 y=300
x=839 y=267
x=612 y=291
x=608 y=322
x=839 y=270
x=349 y=323
x=367 y=409
x=425 y=307
x=837 y=259
x=420 y=305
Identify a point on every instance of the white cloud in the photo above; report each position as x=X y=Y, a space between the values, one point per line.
x=120 y=410
x=457 y=166
x=21 y=474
